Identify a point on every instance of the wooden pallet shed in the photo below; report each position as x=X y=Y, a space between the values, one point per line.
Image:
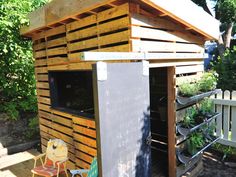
x=64 y=33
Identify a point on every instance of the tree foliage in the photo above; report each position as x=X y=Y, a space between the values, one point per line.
x=226 y=69
x=17 y=82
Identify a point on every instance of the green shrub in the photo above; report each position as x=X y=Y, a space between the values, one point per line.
x=33 y=128
x=226 y=70
x=205 y=107
x=17 y=82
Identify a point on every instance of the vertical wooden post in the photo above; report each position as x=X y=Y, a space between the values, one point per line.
x=171 y=121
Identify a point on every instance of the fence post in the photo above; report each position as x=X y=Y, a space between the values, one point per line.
x=219 y=119
x=233 y=117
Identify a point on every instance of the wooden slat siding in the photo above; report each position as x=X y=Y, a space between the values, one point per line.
x=42 y=92
x=82 y=164
x=113 y=12
x=83 y=156
x=44 y=129
x=45 y=135
x=82 y=45
x=226 y=116
x=85 y=140
x=83 y=33
x=87 y=21
x=160 y=23
x=75 y=57
x=188 y=78
x=219 y=120
x=39 y=46
x=66 y=138
x=38 y=36
x=57 y=61
x=85 y=131
x=63 y=114
x=117 y=48
x=44 y=114
x=189 y=69
x=45 y=122
x=43 y=107
x=171 y=121
x=56 y=42
x=156 y=46
x=114 y=38
x=70 y=165
x=44 y=100
x=40 y=54
x=62 y=129
x=58 y=68
x=43 y=85
x=233 y=117
x=40 y=62
x=114 y=25
x=57 y=51
x=84 y=122
x=42 y=77
x=61 y=120
x=41 y=70
x=86 y=149
x=157 y=34
x=55 y=31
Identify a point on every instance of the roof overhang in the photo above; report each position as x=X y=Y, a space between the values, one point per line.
x=185 y=12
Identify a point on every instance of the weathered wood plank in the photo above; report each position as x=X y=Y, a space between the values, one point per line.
x=85 y=140
x=42 y=62
x=57 y=51
x=56 y=42
x=113 y=12
x=61 y=120
x=57 y=61
x=156 y=46
x=84 y=122
x=82 y=164
x=39 y=46
x=42 y=92
x=44 y=100
x=84 y=33
x=85 y=44
x=44 y=85
x=86 y=149
x=43 y=107
x=114 y=38
x=92 y=19
x=62 y=129
x=83 y=156
x=84 y=131
x=113 y=25
x=42 y=77
x=40 y=54
x=41 y=70
x=189 y=69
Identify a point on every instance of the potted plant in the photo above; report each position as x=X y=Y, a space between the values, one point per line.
x=195 y=142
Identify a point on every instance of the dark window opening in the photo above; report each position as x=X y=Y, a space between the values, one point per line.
x=72 y=92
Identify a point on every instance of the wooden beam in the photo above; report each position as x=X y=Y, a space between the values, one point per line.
x=102 y=56
x=171 y=121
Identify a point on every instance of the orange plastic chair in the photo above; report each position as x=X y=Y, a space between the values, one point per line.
x=55 y=160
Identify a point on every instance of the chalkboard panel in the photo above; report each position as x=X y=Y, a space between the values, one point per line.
x=122 y=116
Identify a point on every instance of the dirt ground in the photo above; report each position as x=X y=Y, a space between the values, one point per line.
x=215 y=167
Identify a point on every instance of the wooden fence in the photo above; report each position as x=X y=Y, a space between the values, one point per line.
x=225 y=103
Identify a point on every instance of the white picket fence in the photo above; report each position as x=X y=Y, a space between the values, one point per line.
x=225 y=103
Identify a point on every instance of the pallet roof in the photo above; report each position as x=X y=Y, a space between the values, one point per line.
x=184 y=12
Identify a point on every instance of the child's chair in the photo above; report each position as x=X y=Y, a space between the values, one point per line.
x=55 y=159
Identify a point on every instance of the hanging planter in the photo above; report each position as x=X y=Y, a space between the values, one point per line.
x=191 y=92
x=190 y=154
x=186 y=131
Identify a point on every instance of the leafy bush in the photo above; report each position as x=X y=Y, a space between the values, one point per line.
x=33 y=128
x=205 y=107
x=226 y=70
x=17 y=82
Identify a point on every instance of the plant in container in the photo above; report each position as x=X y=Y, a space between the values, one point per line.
x=187 y=89
x=188 y=120
x=195 y=142
x=207 y=82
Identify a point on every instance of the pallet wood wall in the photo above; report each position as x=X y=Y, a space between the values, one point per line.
x=111 y=28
